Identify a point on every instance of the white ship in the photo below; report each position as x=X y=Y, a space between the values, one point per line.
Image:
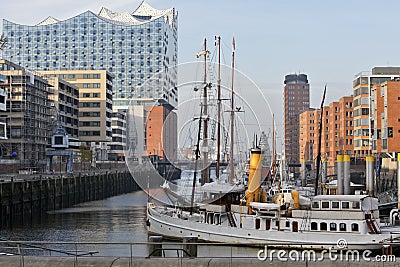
x=316 y=225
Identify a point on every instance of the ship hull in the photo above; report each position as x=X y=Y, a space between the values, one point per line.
x=176 y=228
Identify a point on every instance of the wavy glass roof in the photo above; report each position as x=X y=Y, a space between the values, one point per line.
x=143 y=14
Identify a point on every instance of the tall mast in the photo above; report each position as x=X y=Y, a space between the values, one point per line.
x=319 y=143
x=218 y=109
x=231 y=172
x=273 y=171
x=205 y=119
x=197 y=156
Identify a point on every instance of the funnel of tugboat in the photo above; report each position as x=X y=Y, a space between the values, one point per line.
x=253 y=188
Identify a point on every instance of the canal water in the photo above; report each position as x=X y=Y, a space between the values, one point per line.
x=116 y=219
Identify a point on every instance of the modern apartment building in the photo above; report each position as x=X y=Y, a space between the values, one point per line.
x=385 y=112
x=95 y=106
x=65 y=108
x=139 y=48
x=337 y=131
x=296 y=100
x=119 y=141
x=95 y=102
x=161 y=135
x=308 y=134
x=363 y=121
x=27 y=115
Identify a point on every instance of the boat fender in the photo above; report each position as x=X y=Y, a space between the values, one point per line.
x=393 y=214
x=148 y=223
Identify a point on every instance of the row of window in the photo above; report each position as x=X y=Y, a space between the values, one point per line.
x=323 y=226
x=337 y=205
x=89 y=133
x=89 y=123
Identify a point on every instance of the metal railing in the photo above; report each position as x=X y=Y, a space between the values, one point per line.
x=143 y=250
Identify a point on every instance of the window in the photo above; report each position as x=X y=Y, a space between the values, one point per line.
x=314 y=226
x=96 y=85
x=355 y=205
x=96 y=94
x=86 y=85
x=342 y=227
x=86 y=95
x=323 y=226
x=96 y=76
x=332 y=226
x=86 y=76
x=354 y=227
x=71 y=76
x=335 y=204
x=325 y=204
x=390 y=131
x=315 y=205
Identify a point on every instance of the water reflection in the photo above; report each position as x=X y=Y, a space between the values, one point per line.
x=116 y=219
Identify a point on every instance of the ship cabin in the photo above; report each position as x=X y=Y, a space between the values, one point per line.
x=328 y=213
x=223 y=200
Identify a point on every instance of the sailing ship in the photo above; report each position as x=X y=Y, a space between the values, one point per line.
x=236 y=215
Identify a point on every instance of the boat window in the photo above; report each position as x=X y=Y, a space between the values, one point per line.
x=314 y=226
x=325 y=204
x=355 y=205
x=315 y=205
x=354 y=227
x=257 y=223
x=287 y=224
x=335 y=204
x=332 y=226
x=323 y=226
x=342 y=227
x=345 y=204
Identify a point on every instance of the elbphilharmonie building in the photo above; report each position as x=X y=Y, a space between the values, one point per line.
x=138 y=48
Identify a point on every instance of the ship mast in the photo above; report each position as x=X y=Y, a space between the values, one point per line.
x=217 y=169
x=231 y=171
x=273 y=169
x=319 y=143
x=205 y=119
x=197 y=156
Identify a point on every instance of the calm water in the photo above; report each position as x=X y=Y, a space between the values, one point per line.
x=117 y=219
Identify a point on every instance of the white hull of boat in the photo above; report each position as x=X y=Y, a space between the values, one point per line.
x=168 y=226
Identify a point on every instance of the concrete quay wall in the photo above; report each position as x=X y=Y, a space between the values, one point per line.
x=17 y=261
x=30 y=197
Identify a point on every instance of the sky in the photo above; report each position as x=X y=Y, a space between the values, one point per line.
x=330 y=41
